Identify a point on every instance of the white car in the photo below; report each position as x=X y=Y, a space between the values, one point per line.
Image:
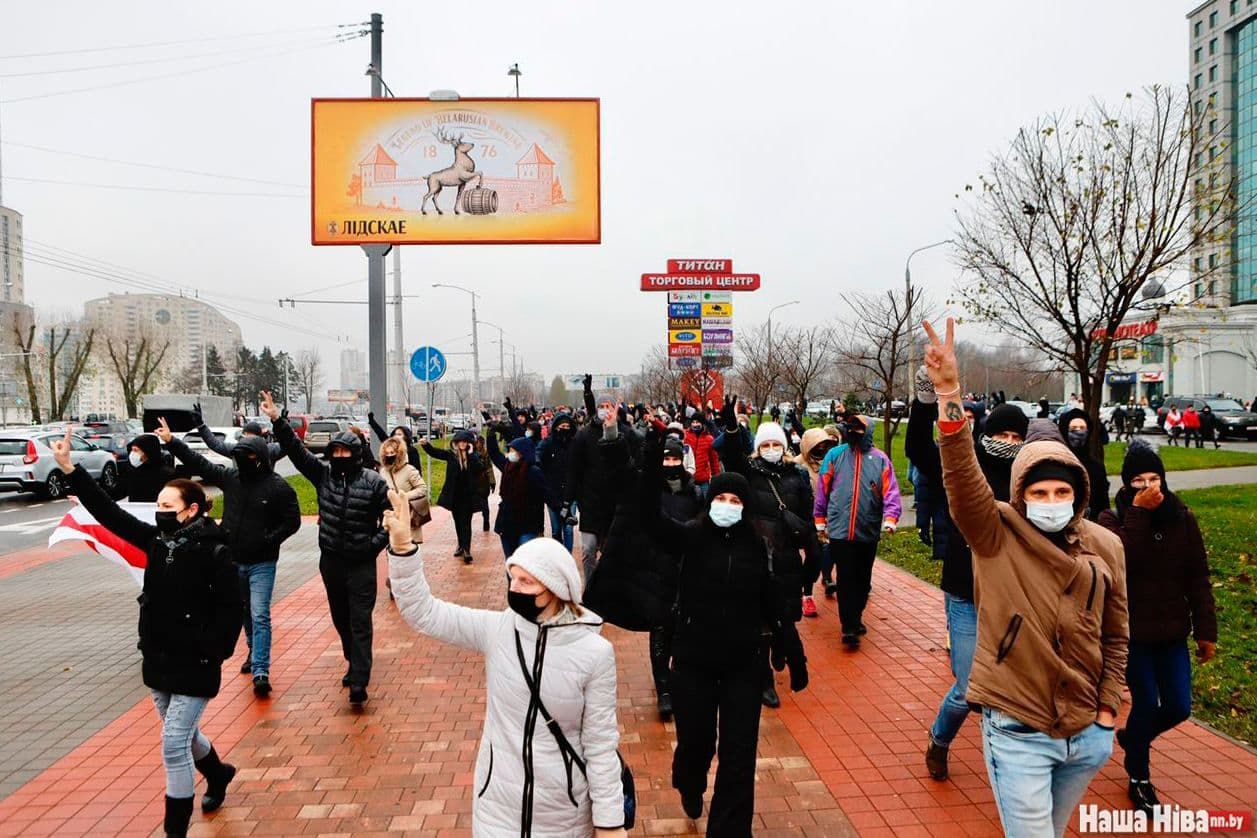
x=193 y=440
x=1031 y=410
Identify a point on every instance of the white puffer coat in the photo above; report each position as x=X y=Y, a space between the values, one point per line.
x=578 y=687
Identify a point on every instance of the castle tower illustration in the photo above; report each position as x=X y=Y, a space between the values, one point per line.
x=377 y=167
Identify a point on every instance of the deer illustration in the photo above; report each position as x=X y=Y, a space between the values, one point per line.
x=460 y=174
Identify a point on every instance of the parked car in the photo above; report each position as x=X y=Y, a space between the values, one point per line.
x=1031 y=410
x=111 y=436
x=1233 y=420
x=460 y=421
x=818 y=409
x=299 y=422
x=26 y=463
x=320 y=433
x=193 y=440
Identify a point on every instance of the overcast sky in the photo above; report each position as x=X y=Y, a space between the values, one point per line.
x=814 y=143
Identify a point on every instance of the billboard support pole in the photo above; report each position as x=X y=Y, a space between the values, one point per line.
x=377 y=355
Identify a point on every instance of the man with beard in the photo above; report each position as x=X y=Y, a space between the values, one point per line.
x=997 y=442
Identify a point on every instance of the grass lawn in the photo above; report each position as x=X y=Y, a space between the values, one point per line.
x=1225 y=690
x=1182 y=459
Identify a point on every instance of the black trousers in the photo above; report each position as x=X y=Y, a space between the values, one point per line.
x=706 y=701
x=661 y=657
x=462 y=525
x=350 y=590
x=854 y=562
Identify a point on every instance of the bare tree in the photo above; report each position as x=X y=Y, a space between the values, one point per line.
x=801 y=357
x=758 y=364
x=135 y=360
x=308 y=369
x=66 y=360
x=876 y=341
x=657 y=381
x=1070 y=225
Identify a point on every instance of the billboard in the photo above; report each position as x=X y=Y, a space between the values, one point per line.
x=473 y=171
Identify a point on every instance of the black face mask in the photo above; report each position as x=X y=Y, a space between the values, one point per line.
x=563 y=432
x=167 y=521
x=525 y=605
x=696 y=429
x=341 y=466
x=388 y=459
x=673 y=472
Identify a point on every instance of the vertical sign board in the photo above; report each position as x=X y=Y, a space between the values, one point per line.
x=700 y=310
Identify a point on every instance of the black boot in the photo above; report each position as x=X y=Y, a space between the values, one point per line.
x=769 y=698
x=1143 y=796
x=217 y=775
x=178 y=816
x=665 y=706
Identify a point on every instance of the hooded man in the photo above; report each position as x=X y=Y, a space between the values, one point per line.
x=1050 y=661
x=1076 y=429
x=145 y=474
x=857 y=499
x=589 y=489
x=552 y=458
x=222 y=447
x=352 y=501
x=260 y=512
x=995 y=448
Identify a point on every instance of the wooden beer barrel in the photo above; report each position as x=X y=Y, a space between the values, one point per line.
x=480 y=201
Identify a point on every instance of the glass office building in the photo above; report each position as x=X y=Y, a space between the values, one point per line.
x=1244 y=127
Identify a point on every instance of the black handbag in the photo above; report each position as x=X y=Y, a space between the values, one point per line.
x=569 y=753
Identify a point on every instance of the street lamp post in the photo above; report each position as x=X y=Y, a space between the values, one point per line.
x=475 y=336
x=907 y=284
x=516 y=72
x=770 y=339
x=501 y=354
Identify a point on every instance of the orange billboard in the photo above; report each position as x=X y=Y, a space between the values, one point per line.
x=472 y=171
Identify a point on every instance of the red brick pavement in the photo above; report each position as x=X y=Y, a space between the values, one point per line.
x=842 y=758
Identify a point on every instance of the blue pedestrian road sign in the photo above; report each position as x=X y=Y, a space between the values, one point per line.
x=427 y=364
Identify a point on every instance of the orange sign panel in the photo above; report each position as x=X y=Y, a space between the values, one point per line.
x=474 y=171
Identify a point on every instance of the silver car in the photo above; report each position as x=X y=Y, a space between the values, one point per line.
x=26 y=463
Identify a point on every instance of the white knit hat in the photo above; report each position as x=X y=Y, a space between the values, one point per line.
x=770 y=432
x=551 y=565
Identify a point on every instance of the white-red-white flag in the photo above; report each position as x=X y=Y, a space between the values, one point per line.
x=79 y=525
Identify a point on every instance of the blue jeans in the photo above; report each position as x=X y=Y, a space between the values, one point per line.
x=258 y=582
x=512 y=542
x=181 y=740
x=1038 y=781
x=962 y=628
x=1160 y=679
x=561 y=532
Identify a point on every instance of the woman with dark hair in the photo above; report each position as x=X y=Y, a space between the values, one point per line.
x=521 y=514
x=458 y=493
x=190 y=620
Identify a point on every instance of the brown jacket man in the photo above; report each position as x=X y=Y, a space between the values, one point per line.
x=1052 y=619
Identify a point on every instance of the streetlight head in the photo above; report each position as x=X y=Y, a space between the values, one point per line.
x=514 y=70
x=371 y=71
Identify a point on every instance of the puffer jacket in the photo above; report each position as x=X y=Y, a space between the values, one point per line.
x=775 y=484
x=144 y=484
x=855 y=493
x=190 y=610
x=706 y=458
x=1167 y=570
x=578 y=688
x=351 y=508
x=1052 y=621
x=1096 y=475
x=553 y=454
x=260 y=511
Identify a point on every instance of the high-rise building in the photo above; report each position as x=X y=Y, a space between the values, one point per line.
x=353 y=369
x=1206 y=346
x=12 y=281
x=189 y=324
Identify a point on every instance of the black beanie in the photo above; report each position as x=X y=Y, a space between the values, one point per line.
x=254 y=428
x=1140 y=459
x=731 y=482
x=1006 y=417
x=1052 y=470
x=672 y=448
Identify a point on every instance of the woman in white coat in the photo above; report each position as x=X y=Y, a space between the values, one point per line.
x=526 y=784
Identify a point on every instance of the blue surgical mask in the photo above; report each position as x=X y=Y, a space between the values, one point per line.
x=1050 y=517
x=512 y=456
x=724 y=514
x=602 y=414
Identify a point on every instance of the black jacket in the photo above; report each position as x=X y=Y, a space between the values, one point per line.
x=190 y=610
x=1096 y=476
x=588 y=482
x=634 y=585
x=351 y=508
x=144 y=484
x=1167 y=571
x=790 y=530
x=259 y=511
x=461 y=487
x=923 y=452
x=553 y=455
x=223 y=448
